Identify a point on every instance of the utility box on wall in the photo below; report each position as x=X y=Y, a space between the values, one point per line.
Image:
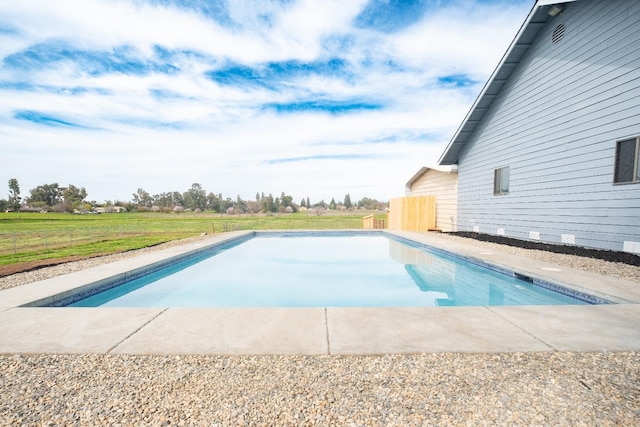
x=412 y=213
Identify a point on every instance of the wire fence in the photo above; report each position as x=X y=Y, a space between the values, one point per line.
x=19 y=242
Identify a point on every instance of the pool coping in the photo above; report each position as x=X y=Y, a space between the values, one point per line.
x=321 y=331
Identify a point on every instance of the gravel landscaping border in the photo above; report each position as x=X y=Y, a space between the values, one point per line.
x=529 y=389
x=612 y=256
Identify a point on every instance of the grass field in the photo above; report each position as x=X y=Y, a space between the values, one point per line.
x=34 y=236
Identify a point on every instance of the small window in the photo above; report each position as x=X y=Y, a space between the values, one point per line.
x=627 y=159
x=501 y=181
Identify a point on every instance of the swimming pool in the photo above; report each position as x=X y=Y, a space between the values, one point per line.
x=320 y=269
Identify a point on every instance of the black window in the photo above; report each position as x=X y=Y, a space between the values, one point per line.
x=627 y=159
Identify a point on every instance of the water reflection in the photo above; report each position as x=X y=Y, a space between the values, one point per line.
x=464 y=284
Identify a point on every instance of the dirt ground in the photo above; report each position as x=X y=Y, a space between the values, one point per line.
x=6 y=270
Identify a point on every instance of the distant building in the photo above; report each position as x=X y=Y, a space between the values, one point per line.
x=550 y=150
x=110 y=209
x=440 y=182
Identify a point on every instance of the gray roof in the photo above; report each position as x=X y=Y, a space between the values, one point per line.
x=536 y=19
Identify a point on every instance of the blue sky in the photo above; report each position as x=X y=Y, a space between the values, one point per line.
x=314 y=98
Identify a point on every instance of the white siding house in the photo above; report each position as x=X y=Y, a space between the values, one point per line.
x=550 y=150
x=442 y=183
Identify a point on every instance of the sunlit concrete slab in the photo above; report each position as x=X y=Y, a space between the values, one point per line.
x=69 y=330
x=232 y=331
x=424 y=329
x=579 y=328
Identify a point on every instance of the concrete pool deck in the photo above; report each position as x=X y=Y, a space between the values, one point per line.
x=322 y=331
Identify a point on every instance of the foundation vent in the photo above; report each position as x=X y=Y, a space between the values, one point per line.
x=568 y=239
x=534 y=235
x=633 y=247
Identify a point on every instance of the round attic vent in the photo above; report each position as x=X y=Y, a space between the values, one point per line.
x=558 y=33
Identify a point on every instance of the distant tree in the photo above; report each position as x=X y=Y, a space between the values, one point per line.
x=4 y=205
x=253 y=207
x=332 y=204
x=285 y=200
x=177 y=199
x=212 y=202
x=268 y=204
x=365 y=203
x=347 y=201
x=257 y=197
x=227 y=202
x=49 y=194
x=195 y=197
x=163 y=200
x=371 y=204
x=129 y=207
x=73 y=197
x=142 y=198
x=308 y=203
x=13 y=202
x=220 y=205
x=240 y=205
x=303 y=203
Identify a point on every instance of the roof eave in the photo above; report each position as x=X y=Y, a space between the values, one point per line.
x=498 y=78
x=423 y=170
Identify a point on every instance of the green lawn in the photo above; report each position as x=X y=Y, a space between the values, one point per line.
x=36 y=236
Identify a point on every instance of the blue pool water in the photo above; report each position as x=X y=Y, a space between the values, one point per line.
x=324 y=271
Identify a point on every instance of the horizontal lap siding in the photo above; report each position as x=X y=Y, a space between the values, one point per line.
x=444 y=187
x=555 y=124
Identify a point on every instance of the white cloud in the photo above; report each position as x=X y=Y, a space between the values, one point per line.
x=162 y=131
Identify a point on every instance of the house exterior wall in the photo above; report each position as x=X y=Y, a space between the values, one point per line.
x=555 y=125
x=444 y=187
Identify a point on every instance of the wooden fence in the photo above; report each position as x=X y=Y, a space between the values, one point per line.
x=413 y=213
x=369 y=222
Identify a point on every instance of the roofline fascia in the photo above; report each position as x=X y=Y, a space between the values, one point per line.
x=423 y=170
x=525 y=24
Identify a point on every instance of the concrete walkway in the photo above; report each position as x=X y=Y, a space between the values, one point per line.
x=321 y=331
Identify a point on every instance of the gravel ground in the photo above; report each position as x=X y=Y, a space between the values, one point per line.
x=573 y=389
x=424 y=389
